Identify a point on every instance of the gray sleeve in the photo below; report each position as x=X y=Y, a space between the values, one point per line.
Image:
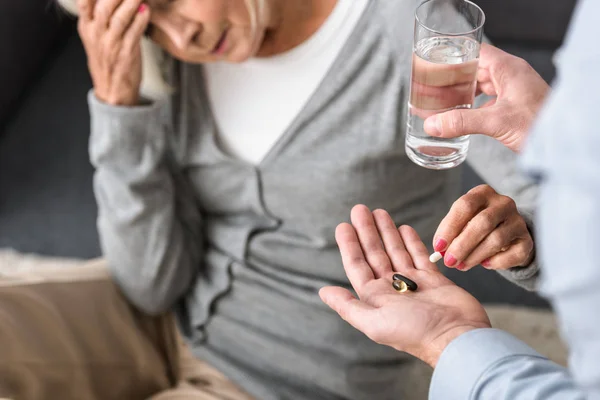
x=148 y=226
x=498 y=166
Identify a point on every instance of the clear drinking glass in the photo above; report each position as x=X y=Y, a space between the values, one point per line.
x=446 y=47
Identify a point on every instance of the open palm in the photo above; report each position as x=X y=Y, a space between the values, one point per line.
x=421 y=323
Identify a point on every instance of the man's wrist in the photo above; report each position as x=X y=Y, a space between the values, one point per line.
x=434 y=349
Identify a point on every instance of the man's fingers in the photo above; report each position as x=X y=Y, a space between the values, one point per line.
x=392 y=241
x=416 y=248
x=456 y=123
x=487 y=88
x=370 y=241
x=357 y=313
x=490 y=56
x=358 y=270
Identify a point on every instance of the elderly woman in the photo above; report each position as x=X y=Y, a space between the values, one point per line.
x=227 y=150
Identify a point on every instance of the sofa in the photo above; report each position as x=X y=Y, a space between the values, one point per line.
x=46 y=200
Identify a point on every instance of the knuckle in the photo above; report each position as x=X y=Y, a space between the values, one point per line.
x=117 y=22
x=496 y=241
x=521 y=63
x=455 y=122
x=522 y=252
x=507 y=202
x=485 y=222
x=467 y=204
x=521 y=228
x=483 y=191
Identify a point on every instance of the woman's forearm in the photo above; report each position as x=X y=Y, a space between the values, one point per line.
x=152 y=250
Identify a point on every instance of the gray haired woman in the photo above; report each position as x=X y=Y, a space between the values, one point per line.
x=230 y=138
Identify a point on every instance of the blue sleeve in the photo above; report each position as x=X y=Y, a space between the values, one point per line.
x=491 y=364
x=563 y=153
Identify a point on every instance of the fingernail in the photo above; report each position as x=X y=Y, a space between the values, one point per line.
x=440 y=245
x=486 y=263
x=461 y=266
x=432 y=126
x=450 y=260
x=142 y=8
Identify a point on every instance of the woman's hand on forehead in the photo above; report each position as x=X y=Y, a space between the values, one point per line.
x=111 y=32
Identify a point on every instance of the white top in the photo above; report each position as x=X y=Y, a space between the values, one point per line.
x=254 y=102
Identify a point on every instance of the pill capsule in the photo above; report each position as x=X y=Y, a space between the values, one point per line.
x=400 y=286
x=412 y=286
x=435 y=257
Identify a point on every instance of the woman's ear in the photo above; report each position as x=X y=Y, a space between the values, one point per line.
x=69 y=5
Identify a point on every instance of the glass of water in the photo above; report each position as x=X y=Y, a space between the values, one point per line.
x=447 y=40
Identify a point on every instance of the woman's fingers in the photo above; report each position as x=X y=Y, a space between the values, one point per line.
x=416 y=248
x=86 y=10
x=355 y=264
x=461 y=212
x=103 y=11
x=370 y=241
x=392 y=241
x=501 y=240
x=519 y=253
x=132 y=38
x=124 y=17
x=479 y=225
x=475 y=232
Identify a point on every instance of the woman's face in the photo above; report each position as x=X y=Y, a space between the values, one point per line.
x=199 y=31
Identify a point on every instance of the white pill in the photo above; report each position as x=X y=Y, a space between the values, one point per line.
x=435 y=257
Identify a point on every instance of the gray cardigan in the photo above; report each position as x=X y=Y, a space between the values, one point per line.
x=239 y=251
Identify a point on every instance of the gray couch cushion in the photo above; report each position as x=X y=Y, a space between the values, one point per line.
x=29 y=29
x=542 y=21
x=47 y=205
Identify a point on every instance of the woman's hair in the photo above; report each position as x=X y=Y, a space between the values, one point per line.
x=154 y=86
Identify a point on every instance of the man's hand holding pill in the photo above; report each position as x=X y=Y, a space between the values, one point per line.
x=484 y=227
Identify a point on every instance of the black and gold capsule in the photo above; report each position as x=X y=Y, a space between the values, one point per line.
x=409 y=283
x=400 y=286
